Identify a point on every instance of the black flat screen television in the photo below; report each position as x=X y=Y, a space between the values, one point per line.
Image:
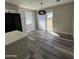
x=12 y=22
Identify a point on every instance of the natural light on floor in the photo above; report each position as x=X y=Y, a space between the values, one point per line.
x=53 y=33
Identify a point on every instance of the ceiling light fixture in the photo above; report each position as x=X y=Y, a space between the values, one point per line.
x=41 y=12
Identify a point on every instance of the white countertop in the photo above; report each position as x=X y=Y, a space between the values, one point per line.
x=13 y=36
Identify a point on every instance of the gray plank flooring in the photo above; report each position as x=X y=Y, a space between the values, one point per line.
x=44 y=45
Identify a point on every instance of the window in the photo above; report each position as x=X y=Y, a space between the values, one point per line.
x=28 y=18
x=45 y=22
x=42 y=22
x=30 y=26
x=49 y=21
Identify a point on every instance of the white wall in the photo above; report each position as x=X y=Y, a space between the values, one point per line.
x=11 y=8
x=63 y=18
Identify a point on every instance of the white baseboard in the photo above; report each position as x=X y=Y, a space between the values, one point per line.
x=66 y=33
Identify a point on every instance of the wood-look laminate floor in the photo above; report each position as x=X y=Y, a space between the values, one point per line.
x=43 y=45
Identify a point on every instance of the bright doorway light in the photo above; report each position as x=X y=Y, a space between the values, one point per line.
x=49 y=21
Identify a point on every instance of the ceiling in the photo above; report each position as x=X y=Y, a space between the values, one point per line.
x=35 y=4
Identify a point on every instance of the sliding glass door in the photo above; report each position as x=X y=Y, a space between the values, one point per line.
x=42 y=22
x=49 y=22
x=45 y=22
